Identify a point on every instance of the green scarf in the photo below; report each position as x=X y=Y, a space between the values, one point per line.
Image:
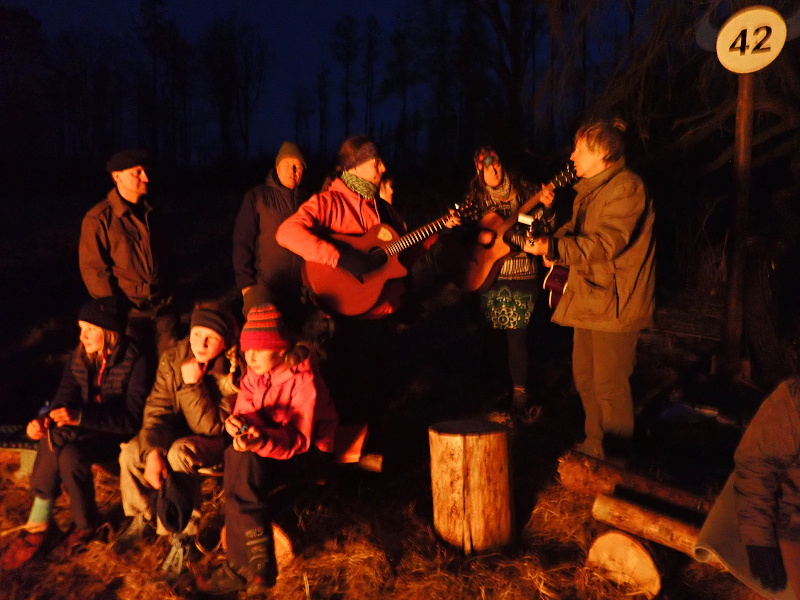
x=360 y=186
x=501 y=193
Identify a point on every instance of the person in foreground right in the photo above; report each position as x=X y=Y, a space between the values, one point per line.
x=609 y=248
x=766 y=481
x=282 y=427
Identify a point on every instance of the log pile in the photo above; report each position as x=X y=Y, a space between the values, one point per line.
x=624 y=558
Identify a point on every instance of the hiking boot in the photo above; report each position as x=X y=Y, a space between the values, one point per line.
x=78 y=539
x=28 y=545
x=135 y=532
x=175 y=561
x=221 y=581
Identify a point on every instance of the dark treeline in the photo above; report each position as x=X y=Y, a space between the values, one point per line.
x=449 y=75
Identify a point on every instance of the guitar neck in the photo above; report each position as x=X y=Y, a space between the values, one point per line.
x=564 y=177
x=416 y=236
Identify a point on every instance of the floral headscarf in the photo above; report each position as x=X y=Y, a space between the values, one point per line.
x=484 y=157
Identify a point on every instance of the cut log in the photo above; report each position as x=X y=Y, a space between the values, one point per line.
x=588 y=475
x=471 y=484
x=19 y=460
x=626 y=562
x=348 y=442
x=647 y=524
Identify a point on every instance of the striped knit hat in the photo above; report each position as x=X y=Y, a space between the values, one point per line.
x=264 y=330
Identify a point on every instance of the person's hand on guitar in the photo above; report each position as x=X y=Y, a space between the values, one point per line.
x=539 y=246
x=546 y=195
x=453 y=220
x=359 y=264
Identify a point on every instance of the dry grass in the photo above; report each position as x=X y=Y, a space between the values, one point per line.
x=363 y=536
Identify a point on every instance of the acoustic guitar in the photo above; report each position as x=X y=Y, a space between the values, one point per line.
x=484 y=262
x=337 y=290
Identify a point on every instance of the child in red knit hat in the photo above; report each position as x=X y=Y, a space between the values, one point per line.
x=282 y=428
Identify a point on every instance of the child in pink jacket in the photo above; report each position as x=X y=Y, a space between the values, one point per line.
x=282 y=428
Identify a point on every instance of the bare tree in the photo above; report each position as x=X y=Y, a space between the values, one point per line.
x=177 y=96
x=346 y=45
x=235 y=58
x=397 y=80
x=92 y=94
x=371 y=56
x=154 y=35
x=26 y=117
x=513 y=25
x=303 y=108
x=323 y=99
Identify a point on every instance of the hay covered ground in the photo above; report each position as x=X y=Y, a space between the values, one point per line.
x=369 y=535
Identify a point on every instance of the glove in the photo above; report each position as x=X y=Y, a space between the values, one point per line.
x=766 y=565
x=358 y=264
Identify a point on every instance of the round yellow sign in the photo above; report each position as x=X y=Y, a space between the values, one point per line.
x=751 y=39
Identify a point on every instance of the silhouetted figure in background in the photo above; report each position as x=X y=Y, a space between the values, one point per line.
x=266 y=271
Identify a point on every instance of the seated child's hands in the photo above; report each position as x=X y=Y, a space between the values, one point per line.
x=251 y=440
x=192 y=371
x=233 y=424
x=66 y=416
x=37 y=428
x=155 y=469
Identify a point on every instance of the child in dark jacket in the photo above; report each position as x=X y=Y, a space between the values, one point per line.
x=282 y=427
x=98 y=405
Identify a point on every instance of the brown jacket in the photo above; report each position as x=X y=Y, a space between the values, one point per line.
x=116 y=253
x=609 y=248
x=175 y=409
x=767 y=474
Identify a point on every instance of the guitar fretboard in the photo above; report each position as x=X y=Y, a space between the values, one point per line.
x=415 y=236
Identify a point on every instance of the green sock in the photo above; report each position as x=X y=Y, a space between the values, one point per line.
x=41 y=511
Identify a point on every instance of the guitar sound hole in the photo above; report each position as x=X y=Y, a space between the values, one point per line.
x=378 y=256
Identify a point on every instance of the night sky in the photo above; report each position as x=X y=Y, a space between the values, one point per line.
x=298 y=33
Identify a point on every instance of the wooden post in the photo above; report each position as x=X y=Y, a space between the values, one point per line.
x=471 y=484
x=734 y=311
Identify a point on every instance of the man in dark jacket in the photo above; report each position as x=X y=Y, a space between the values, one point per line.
x=118 y=256
x=265 y=271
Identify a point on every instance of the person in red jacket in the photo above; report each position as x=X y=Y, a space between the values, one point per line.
x=282 y=427
x=359 y=346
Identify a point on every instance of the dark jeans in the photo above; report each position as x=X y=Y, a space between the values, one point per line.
x=357 y=368
x=71 y=464
x=250 y=504
x=154 y=329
